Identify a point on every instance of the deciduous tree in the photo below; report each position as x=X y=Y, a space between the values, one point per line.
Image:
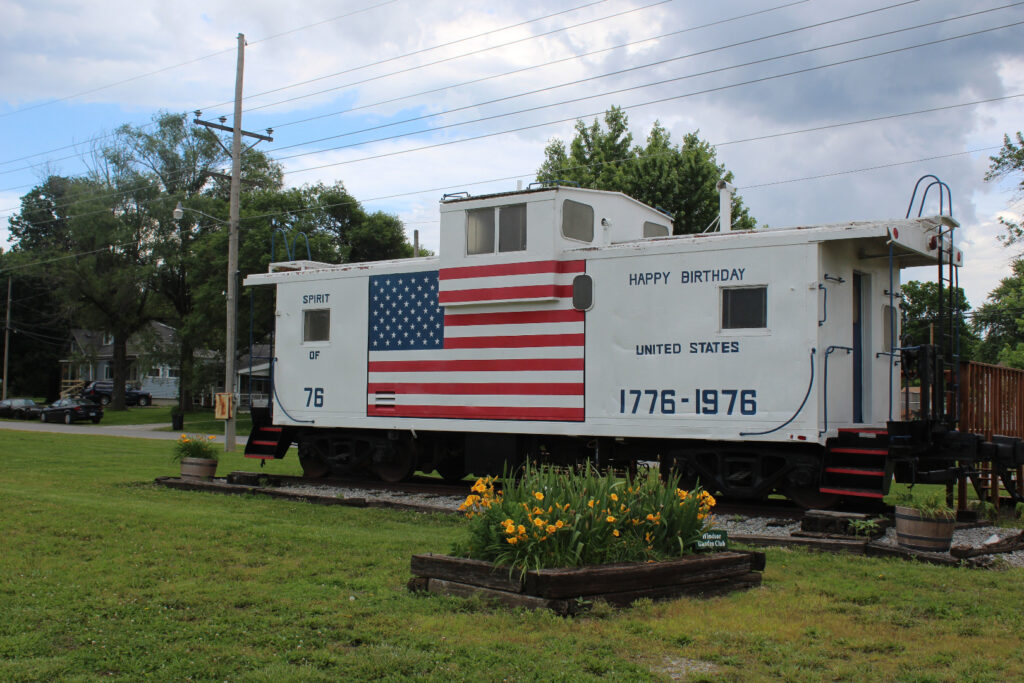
x=681 y=180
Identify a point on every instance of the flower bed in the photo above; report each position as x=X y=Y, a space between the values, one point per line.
x=595 y=535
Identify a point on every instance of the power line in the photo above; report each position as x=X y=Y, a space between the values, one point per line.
x=454 y=57
x=175 y=66
x=478 y=80
x=514 y=177
x=658 y=101
x=867 y=168
x=573 y=57
x=661 y=100
x=612 y=92
x=629 y=11
x=768 y=136
x=448 y=44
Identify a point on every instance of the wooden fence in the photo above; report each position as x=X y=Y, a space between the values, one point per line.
x=991 y=400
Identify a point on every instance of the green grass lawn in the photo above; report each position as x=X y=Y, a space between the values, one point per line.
x=104 y=576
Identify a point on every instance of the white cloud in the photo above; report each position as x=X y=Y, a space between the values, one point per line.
x=54 y=48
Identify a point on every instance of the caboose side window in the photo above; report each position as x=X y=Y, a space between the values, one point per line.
x=655 y=230
x=511 y=223
x=316 y=325
x=744 y=308
x=887 y=328
x=577 y=221
x=480 y=231
x=512 y=227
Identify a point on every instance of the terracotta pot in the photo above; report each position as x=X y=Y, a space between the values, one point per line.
x=927 y=534
x=198 y=468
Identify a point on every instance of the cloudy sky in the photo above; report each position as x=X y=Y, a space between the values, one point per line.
x=825 y=110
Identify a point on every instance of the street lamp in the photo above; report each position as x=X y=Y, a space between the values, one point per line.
x=232 y=305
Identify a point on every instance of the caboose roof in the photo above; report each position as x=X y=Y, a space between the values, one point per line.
x=914 y=240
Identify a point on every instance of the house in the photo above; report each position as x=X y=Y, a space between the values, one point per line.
x=253 y=376
x=90 y=357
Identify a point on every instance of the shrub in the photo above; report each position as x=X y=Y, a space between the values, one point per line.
x=194 y=446
x=547 y=518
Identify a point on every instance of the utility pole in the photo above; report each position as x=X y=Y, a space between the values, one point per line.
x=7 y=340
x=232 y=302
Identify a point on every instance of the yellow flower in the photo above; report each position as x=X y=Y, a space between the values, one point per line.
x=521 y=529
x=538 y=511
x=559 y=524
x=609 y=519
x=551 y=528
x=538 y=522
x=615 y=532
x=538 y=495
x=211 y=437
x=614 y=497
x=512 y=540
x=591 y=503
x=509 y=522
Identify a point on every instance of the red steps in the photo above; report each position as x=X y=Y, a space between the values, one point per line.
x=856 y=464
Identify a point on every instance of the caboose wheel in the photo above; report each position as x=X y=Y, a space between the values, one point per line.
x=452 y=469
x=810 y=498
x=398 y=464
x=313 y=466
x=311 y=458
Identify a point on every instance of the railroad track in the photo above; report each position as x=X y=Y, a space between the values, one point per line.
x=421 y=485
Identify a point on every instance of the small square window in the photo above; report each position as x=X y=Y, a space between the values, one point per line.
x=316 y=325
x=744 y=308
x=577 y=221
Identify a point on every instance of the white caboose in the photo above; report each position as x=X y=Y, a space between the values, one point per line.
x=567 y=323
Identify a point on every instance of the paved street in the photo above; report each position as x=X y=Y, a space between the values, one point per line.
x=146 y=431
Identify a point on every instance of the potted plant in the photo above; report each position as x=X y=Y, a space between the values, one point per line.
x=197 y=455
x=924 y=521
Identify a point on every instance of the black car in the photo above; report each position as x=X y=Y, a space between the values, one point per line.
x=67 y=410
x=20 y=409
x=102 y=390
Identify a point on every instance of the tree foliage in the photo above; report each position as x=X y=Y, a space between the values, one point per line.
x=1008 y=162
x=921 y=308
x=1000 y=320
x=115 y=258
x=681 y=180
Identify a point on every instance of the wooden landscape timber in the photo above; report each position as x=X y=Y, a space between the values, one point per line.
x=570 y=590
x=1007 y=545
x=215 y=486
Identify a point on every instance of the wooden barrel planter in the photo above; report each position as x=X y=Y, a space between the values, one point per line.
x=927 y=534
x=571 y=590
x=198 y=468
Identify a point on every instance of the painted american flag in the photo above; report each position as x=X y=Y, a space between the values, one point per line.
x=498 y=342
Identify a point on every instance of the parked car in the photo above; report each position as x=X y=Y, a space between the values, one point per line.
x=69 y=410
x=20 y=409
x=102 y=390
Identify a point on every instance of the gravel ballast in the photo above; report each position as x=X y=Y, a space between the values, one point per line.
x=735 y=525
